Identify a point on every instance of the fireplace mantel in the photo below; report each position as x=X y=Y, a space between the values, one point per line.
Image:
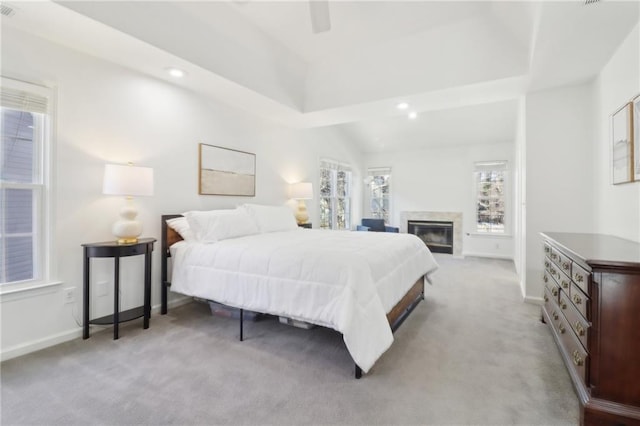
x=454 y=217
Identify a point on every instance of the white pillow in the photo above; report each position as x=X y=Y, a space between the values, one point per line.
x=272 y=218
x=181 y=226
x=217 y=225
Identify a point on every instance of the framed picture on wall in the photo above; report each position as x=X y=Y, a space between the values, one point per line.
x=622 y=145
x=225 y=171
x=636 y=138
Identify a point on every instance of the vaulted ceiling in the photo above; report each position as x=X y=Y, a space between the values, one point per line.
x=460 y=65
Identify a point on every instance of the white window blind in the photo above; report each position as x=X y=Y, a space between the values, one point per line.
x=490 y=180
x=335 y=194
x=25 y=112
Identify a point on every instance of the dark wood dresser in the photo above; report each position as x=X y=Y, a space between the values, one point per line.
x=592 y=305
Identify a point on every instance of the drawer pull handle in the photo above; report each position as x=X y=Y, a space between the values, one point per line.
x=563 y=305
x=577 y=359
x=577 y=299
x=579 y=278
x=546 y=279
x=546 y=263
x=554 y=291
x=565 y=284
x=555 y=315
x=554 y=256
x=546 y=298
x=547 y=249
x=579 y=328
x=565 y=266
x=562 y=329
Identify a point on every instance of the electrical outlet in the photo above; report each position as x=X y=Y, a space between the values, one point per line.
x=101 y=289
x=69 y=295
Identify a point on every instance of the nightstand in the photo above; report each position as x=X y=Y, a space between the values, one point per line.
x=305 y=225
x=116 y=251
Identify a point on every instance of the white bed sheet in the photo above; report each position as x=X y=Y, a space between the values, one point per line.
x=345 y=280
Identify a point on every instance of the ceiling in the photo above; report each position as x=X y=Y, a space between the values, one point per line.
x=460 y=65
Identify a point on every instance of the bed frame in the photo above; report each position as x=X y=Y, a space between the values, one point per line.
x=396 y=316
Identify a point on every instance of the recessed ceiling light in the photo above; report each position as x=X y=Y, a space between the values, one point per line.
x=175 y=72
x=402 y=105
x=413 y=115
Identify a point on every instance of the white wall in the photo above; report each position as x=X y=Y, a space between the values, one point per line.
x=616 y=207
x=568 y=183
x=441 y=179
x=105 y=114
x=559 y=186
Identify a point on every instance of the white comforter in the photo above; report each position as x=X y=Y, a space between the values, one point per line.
x=344 y=280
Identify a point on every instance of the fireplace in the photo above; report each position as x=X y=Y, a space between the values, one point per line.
x=437 y=235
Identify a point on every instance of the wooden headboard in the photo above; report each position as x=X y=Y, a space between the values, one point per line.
x=169 y=237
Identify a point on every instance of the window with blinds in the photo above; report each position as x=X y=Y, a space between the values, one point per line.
x=335 y=195
x=490 y=178
x=378 y=180
x=25 y=131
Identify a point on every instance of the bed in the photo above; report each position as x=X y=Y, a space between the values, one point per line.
x=362 y=284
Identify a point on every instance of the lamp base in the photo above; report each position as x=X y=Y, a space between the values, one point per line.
x=126 y=241
x=302 y=215
x=127 y=229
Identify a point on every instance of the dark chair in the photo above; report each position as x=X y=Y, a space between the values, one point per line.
x=375 y=225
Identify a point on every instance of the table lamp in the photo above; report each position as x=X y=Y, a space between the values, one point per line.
x=130 y=181
x=301 y=191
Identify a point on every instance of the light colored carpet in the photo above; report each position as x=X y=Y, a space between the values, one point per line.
x=472 y=353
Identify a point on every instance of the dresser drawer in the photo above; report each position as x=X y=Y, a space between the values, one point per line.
x=578 y=357
x=564 y=263
x=551 y=305
x=551 y=285
x=578 y=324
x=564 y=282
x=581 y=277
x=580 y=301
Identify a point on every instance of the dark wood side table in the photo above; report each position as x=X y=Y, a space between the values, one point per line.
x=116 y=251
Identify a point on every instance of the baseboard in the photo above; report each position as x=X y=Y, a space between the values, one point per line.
x=56 y=339
x=490 y=256
x=534 y=300
x=172 y=304
x=36 y=345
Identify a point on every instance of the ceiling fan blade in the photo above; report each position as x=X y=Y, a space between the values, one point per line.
x=319 y=10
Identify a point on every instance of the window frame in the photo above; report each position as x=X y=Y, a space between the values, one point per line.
x=334 y=168
x=371 y=173
x=41 y=185
x=500 y=166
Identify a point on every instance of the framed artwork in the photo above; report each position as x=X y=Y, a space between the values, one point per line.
x=636 y=138
x=225 y=171
x=622 y=145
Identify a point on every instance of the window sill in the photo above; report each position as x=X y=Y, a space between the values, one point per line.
x=488 y=235
x=27 y=290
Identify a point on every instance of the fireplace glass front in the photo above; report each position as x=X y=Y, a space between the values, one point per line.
x=438 y=236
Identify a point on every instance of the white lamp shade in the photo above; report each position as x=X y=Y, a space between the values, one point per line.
x=301 y=191
x=127 y=180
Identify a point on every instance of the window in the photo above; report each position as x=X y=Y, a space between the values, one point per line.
x=23 y=191
x=335 y=195
x=379 y=192
x=490 y=196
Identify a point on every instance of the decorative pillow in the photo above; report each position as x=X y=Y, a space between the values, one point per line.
x=181 y=226
x=272 y=218
x=217 y=225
